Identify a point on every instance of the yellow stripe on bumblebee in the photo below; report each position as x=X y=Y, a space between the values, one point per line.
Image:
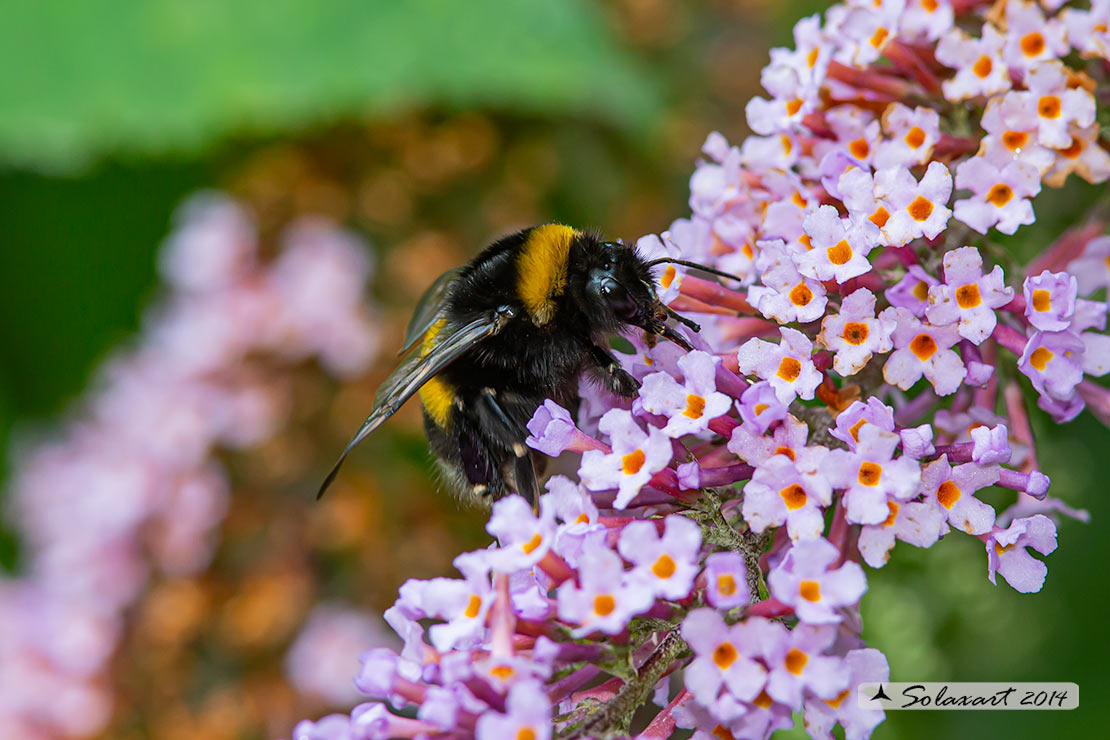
x=541 y=269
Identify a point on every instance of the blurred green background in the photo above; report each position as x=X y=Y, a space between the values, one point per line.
x=431 y=126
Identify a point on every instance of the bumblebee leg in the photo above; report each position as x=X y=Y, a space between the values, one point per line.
x=510 y=434
x=616 y=378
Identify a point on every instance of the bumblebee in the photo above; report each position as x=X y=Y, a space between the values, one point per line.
x=520 y=323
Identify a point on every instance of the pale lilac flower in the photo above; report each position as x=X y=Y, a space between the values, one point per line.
x=689 y=407
x=1058 y=105
x=953 y=489
x=760 y=406
x=787 y=366
x=838 y=248
x=857 y=415
x=990 y=444
x=331 y=727
x=1051 y=361
x=606 y=599
x=979 y=67
x=525 y=537
x=528 y=715
x=723 y=658
x=552 y=431
x=797 y=664
x=804 y=581
x=912 y=135
x=870 y=476
x=917 y=442
x=1011 y=125
x=912 y=291
x=916 y=208
x=636 y=456
x=667 y=564
x=1001 y=194
x=1006 y=553
x=789 y=439
x=857 y=130
x=791 y=101
x=867 y=30
x=1050 y=300
x=968 y=297
x=1084 y=156
x=923 y=349
x=919 y=523
x=1031 y=39
x=780 y=492
x=925 y=19
x=854 y=333
x=726 y=580
x=1088 y=29
x=788 y=296
x=865 y=665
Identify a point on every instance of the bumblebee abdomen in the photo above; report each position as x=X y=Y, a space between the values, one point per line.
x=438 y=398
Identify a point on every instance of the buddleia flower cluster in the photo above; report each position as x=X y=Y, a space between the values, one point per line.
x=131 y=486
x=861 y=384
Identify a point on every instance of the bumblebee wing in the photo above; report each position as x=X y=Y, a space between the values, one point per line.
x=428 y=308
x=450 y=343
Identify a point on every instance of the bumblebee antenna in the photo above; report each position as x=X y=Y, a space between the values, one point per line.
x=682 y=319
x=695 y=265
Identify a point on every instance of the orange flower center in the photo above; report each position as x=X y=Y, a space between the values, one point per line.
x=967 y=296
x=726 y=584
x=855 y=333
x=1015 y=140
x=810 y=590
x=796 y=661
x=915 y=137
x=794 y=496
x=530 y=546
x=892 y=507
x=879 y=217
x=948 y=494
x=801 y=295
x=839 y=253
x=923 y=346
x=921 y=208
x=725 y=655
x=695 y=406
x=870 y=474
x=668 y=276
x=789 y=369
x=982 y=67
x=1048 y=106
x=632 y=462
x=1000 y=194
x=664 y=567
x=1032 y=44
x=859 y=148
x=1040 y=357
x=1042 y=300
x=604 y=604
x=473 y=606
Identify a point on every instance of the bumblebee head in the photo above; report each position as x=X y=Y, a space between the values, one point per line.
x=615 y=286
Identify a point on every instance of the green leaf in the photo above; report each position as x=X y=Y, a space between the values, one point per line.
x=101 y=76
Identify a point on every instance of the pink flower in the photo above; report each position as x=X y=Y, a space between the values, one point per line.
x=805 y=581
x=855 y=333
x=916 y=208
x=968 y=297
x=1000 y=194
x=1007 y=554
x=786 y=366
x=923 y=349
